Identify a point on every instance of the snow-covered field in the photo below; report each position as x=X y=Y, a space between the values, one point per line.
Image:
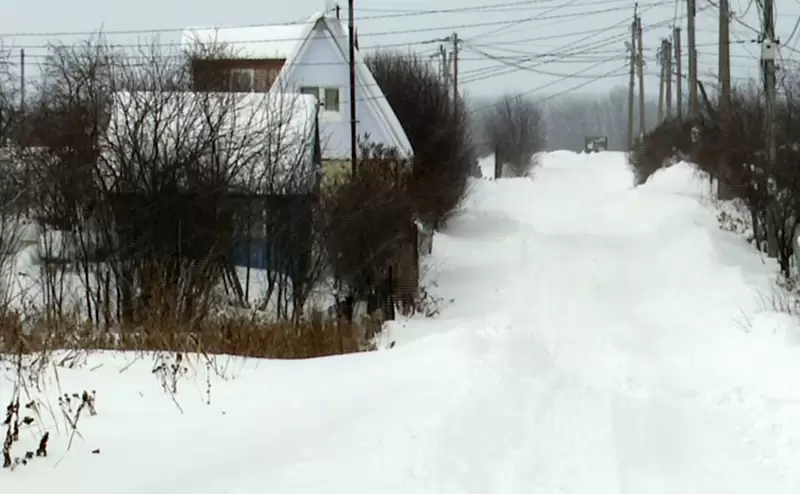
x=593 y=338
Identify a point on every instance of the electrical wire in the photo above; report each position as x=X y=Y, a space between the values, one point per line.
x=509 y=4
x=527 y=69
x=524 y=20
x=609 y=40
x=483 y=9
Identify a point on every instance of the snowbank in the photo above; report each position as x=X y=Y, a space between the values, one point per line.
x=592 y=338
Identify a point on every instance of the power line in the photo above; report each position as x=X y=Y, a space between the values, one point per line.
x=299 y=23
x=528 y=69
x=509 y=4
x=612 y=73
x=522 y=21
x=575 y=49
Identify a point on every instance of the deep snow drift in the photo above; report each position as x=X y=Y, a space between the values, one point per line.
x=593 y=338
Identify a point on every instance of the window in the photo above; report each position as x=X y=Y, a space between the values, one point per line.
x=328 y=97
x=331 y=100
x=261 y=82
x=242 y=80
x=312 y=90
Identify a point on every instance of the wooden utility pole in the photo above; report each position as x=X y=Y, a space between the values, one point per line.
x=724 y=65
x=22 y=82
x=352 y=61
x=668 y=71
x=722 y=183
x=454 y=56
x=445 y=65
x=678 y=72
x=662 y=79
x=694 y=106
x=640 y=55
x=632 y=81
x=768 y=52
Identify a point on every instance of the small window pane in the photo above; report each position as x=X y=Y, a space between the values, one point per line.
x=331 y=99
x=261 y=83
x=242 y=80
x=313 y=91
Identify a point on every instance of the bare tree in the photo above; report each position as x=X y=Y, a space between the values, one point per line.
x=438 y=127
x=8 y=93
x=152 y=181
x=515 y=129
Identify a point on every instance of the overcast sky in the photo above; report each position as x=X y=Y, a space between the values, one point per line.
x=575 y=35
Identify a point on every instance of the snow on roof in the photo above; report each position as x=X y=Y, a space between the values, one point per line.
x=265 y=140
x=286 y=42
x=262 y=42
x=252 y=42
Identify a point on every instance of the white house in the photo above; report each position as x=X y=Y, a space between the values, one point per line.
x=310 y=58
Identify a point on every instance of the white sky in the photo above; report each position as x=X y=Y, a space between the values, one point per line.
x=593 y=30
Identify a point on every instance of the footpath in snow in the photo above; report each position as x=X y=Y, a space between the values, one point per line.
x=593 y=338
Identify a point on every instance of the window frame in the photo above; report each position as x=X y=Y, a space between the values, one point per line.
x=338 y=92
x=237 y=72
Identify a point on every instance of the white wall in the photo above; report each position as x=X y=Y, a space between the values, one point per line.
x=321 y=64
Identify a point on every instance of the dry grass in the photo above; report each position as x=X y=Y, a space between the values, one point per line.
x=244 y=336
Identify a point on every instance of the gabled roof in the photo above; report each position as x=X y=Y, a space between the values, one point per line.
x=373 y=94
x=250 y=43
x=269 y=42
x=288 y=42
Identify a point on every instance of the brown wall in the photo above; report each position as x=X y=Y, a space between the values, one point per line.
x=214 y=75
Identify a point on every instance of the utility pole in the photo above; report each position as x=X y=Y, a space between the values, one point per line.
x=640 y=54
x=768 y=52
x=352 y=61
x=724 y=65
x=445 y=65
x=693 y=101
x=723 y=189
x=22 y=82
x=678 y=72
x=632 y=81
x=662 y=78
x=668 y=71
x=456 y=42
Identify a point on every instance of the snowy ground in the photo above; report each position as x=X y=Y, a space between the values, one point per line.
x=593 y=338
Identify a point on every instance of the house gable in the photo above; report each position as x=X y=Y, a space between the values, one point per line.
x=315 y=55
x=323 y=33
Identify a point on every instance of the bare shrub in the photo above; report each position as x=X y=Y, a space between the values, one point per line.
x=515 y=129
x=368 y=225
x=8 y=95
x=667 y=143
x=437 y=126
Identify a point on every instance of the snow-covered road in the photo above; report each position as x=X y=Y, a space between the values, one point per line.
x=594 y=338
